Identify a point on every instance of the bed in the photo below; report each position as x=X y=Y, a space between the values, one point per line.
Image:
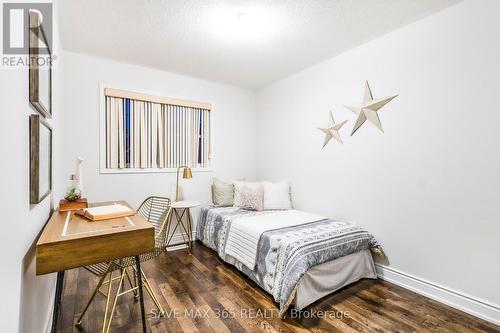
x=295 y=256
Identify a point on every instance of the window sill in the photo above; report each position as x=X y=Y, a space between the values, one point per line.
x=146 y=171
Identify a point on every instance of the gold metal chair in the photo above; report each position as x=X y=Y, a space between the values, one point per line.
x=156 y=210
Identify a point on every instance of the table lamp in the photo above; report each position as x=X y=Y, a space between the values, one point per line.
x=186 y=175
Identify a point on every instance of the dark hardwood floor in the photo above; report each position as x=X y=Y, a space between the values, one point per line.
x=202 y=294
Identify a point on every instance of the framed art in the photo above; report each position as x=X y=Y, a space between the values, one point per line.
x=40 y=159
x=40 y=69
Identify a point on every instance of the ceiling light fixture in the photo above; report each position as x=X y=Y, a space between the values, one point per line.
x=242 y=24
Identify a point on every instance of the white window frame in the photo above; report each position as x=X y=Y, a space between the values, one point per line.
x=102 y=135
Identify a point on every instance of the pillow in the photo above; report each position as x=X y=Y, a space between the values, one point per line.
x=222 y=193
x=277 y=195
x=249 y=195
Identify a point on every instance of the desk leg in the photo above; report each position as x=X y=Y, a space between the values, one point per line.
x=57 y=300
x=141 y=296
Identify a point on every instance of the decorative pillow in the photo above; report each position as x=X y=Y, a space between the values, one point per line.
x=249 y=195
x=222 y=193
x=277 y=195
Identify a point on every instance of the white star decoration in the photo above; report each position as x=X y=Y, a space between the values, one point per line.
x=369 y=108
x=332 y=131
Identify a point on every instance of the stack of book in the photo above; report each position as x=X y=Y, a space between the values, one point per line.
x=106 y=212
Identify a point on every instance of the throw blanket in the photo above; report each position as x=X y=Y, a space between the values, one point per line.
x=285 y=254
x=246 y=231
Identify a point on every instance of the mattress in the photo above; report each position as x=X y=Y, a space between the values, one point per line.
x=301 y=263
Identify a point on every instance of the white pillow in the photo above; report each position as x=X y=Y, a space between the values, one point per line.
x=248 y=195
x=277 y=195
x=222 y=193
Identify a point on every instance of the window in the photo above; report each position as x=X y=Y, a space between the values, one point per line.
x=144 y=132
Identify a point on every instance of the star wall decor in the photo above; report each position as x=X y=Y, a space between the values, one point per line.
x=368 y=109
x=332 y=131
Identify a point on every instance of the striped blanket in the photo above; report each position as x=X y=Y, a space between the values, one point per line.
x=245 y=232
x=284 y=254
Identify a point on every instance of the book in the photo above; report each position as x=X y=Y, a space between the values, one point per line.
x=106 y=212
x=66 y=206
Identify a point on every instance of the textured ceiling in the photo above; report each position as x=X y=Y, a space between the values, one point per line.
x=246 y=43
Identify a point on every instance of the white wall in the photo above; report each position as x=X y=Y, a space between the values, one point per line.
x=27 y=299
x=233 y=118
x=428 y=188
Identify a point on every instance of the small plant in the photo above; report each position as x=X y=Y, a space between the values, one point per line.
x=73 y=193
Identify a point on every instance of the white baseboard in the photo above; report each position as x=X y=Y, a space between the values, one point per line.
x=48 y=321
x=50 y=307
x=177 y=239
x=458 y=300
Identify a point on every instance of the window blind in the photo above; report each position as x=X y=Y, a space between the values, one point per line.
x=153 y=134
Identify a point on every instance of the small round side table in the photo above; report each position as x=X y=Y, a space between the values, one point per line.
x=179 y=209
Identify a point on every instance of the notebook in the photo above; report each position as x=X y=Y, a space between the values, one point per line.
x=106 y=212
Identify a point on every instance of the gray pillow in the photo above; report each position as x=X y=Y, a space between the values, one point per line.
x=222 y=193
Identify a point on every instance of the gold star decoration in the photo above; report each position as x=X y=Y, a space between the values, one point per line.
x=332 y=131
x=369 y=108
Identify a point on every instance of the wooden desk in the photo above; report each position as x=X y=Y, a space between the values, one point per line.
x=69 y=241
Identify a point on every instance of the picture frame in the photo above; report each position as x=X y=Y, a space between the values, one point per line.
x=40 y=159
x=40 y=76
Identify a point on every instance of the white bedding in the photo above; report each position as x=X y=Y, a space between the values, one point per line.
x=244 y=233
